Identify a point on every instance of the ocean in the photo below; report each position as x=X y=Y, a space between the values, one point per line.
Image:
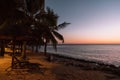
x=108 y=54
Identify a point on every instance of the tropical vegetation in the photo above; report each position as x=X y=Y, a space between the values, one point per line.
x=27 y=22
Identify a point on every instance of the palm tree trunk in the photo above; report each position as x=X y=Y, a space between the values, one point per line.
x=32 y=48
x=24 y=51
x=37 y=48
x=2 y=48
x=45 y=47
x=21 y=48
x=13 y=53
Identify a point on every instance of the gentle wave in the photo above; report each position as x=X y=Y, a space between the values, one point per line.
x=109 y=54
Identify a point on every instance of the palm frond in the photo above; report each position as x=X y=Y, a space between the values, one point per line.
x=59 y=36
x=54 y=43
x=53 y=40
x=34 y=5
x=61 y=26
x=51 y=17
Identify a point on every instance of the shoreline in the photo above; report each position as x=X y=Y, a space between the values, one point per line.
x=58 y=68
x=86 y=64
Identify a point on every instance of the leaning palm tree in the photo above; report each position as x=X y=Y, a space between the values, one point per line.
x=48 y=23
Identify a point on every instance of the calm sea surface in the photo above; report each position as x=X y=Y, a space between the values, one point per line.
x=108 y=54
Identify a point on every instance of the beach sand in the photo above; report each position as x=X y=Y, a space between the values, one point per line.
x=58 y=69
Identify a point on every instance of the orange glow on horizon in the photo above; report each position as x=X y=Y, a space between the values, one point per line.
x=91 y=41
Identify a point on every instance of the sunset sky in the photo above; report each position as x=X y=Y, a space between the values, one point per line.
x=92 y=21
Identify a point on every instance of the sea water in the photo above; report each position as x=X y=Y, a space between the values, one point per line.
x=108 y=54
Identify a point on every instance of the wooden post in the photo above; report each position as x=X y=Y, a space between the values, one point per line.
x=2 y=49
x=45 y=48
x=24 y=50
x=13 y=53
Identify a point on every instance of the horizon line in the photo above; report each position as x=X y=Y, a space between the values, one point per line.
x=90 y=43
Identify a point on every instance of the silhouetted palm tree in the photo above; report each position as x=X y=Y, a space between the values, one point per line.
x=34 y=7
x=28 y=18
x=15 y=20
x=48 y=23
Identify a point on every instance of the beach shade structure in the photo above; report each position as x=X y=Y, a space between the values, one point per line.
x=14 y=33
x=20 y=40
x=16 y=16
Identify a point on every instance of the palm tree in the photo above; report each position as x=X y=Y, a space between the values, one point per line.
x=15 y=19
x=34 y=7
x=48 y=23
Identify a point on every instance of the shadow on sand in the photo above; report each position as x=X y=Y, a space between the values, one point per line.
x=29 y=68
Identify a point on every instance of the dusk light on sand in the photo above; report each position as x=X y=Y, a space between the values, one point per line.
x=59 y=39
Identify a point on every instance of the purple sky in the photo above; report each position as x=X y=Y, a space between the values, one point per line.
x=92 y=21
